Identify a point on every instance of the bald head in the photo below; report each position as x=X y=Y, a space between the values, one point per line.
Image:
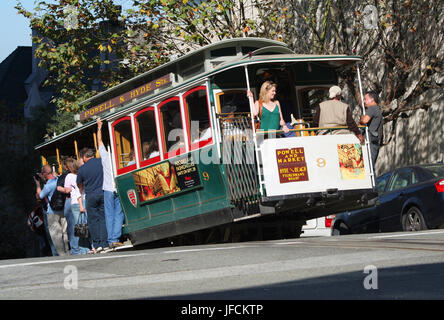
x=46 y=169
x=47 y=172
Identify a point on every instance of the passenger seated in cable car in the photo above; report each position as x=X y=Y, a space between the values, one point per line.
x=150 y=149
x=204 y=132
x=179 y=142
x=173 y=117
x=132 y=158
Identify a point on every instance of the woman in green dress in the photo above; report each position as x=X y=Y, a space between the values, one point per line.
x=268 y=108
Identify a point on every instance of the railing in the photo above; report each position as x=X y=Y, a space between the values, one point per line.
x=238 y=156
x=311 y=131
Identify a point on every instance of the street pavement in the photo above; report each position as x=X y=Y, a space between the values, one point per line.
x=392 y=266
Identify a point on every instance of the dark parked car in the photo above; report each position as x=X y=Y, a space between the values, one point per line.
x=409 y=199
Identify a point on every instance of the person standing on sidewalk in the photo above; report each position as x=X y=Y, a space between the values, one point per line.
x=90 y=178
x=55 y=221
x=76 y=205
x=113 y=210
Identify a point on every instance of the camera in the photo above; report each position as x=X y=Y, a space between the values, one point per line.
x=37 y=176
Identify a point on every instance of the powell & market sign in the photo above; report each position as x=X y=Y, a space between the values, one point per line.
x=126 y=97
x=292 y=166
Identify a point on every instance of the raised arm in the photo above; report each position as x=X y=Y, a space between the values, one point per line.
x=38 y=189
x=99 y=132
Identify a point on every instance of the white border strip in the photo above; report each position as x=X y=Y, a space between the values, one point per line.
x=67 y=261
x=411 y=234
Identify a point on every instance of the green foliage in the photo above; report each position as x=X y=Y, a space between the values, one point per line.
x=74 y=57
x=109 y=47
x=161 y=28
x=62 y=121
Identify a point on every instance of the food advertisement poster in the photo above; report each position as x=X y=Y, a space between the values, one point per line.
x=351 y=161
x=165 y=179
x=292 y=166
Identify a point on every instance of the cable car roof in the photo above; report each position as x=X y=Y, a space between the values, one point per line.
x=237 y=43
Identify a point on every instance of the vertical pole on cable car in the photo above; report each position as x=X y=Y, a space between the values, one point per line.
x=76 y=149
x=59 y=162
x=367 y=141
x=43 y=160
x=251 y=103
x=253 y=129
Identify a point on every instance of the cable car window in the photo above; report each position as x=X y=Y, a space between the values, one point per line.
x=148 y=145
x=172 y=128
x=233 y=101
x=123 y=143
x=198 y=117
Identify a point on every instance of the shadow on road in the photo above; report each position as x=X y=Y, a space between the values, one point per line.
x=419 y=282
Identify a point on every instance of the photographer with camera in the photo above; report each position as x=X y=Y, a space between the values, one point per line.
x=55 y=221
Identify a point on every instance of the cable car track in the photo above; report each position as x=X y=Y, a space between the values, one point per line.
x=373 y=244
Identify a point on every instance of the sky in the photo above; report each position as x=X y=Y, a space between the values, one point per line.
x=14 y=28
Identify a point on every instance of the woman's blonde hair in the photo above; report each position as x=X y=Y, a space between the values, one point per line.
x=72 y=165
x=266 y=86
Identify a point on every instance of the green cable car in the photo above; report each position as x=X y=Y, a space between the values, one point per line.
x=186 y=156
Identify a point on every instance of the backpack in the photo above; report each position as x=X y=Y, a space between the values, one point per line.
x=57 y=202
x=58 y=198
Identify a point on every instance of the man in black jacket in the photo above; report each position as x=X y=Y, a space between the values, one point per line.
x=90 y=179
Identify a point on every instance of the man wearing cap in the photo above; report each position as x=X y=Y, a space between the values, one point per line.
x=334 y=113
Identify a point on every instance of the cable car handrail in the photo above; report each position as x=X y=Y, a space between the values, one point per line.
x=308 y=129
x=234 y=114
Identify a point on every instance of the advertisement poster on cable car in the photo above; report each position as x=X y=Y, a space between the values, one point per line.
x=351 y=161
x=300 y=165
x=165 y=179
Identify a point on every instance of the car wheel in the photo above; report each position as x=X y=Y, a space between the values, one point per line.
x=413 y=220
x=340 y=229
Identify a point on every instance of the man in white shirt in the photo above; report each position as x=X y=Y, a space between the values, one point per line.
x=114 y=216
